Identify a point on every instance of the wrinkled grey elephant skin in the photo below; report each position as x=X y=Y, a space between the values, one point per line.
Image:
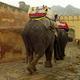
x=38 y=40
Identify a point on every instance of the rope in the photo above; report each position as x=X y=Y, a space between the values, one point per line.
x=38 y=18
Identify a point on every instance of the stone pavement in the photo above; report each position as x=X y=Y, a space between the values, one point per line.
x=67 y=69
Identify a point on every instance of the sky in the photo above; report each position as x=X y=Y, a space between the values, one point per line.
x=49 y=3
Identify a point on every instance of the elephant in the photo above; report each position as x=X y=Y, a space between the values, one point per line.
x=39 y=40
x=60 y=43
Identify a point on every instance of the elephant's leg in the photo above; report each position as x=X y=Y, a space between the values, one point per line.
x=64 y=41
x=48 y=55
x=63 y=50
x=57 y=50
x=30 y=57
x=33 y=64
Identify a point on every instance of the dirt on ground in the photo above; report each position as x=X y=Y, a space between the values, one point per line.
x=67 y=69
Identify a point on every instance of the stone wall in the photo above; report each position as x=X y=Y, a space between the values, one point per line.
x=12 y=47
x=12 y=16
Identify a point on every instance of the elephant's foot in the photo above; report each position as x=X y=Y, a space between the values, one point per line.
x=48 y=64
x=31 y=69
x=61 y=58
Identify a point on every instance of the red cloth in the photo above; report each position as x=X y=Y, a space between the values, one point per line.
x=63 y=25
x=37 y=14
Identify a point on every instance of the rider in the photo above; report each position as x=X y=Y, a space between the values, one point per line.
x=60 y=24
